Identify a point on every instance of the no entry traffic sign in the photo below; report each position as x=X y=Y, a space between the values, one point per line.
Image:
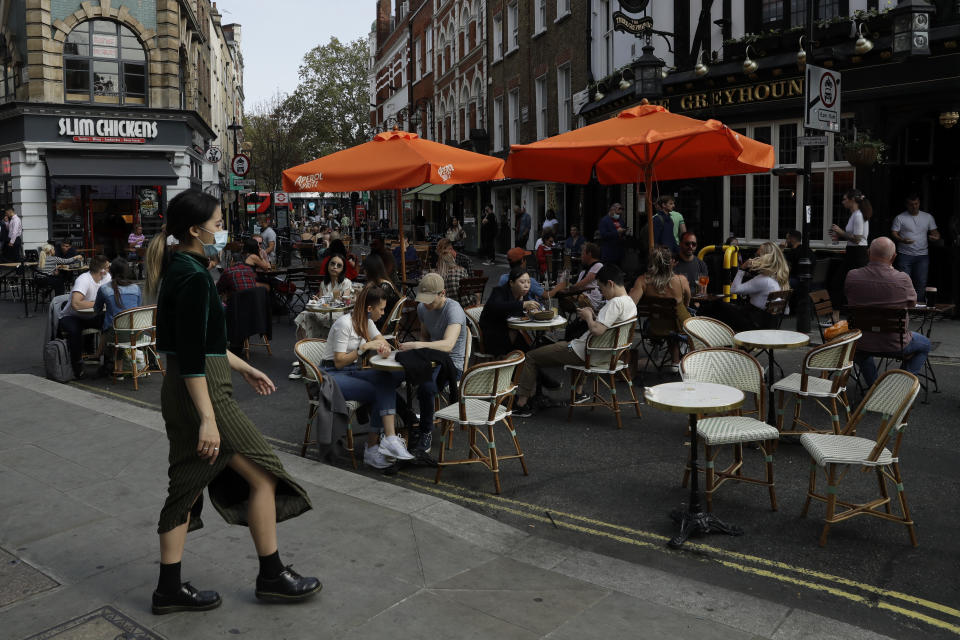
x=240 y=164
x=822 y=100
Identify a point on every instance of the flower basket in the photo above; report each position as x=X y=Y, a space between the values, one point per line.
x=861 y=156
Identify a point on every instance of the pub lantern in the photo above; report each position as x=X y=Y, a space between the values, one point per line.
x=911 y=28
x=648 y=81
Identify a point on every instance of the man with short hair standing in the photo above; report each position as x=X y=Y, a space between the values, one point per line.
x=880 y=285
x=269 y=239
x=912 y=230
x=611 y=235
x=13 y=246
x=523 y=225
x=688 y=264
x=443 y=327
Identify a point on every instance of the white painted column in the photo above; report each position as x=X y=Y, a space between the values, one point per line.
x=29 y=175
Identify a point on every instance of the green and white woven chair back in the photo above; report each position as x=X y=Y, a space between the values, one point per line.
x=135 y=319
x=609 y=344
x=706 y=333
x=473 y=314
x=892 y=395
x=834 y=355
x=311 y=352
x=725 y=366
x=390 y=326
x=490 y=381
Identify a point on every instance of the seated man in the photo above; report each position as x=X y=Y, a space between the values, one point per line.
x=65 y=249
x=517 y=257
x=79 y=315
x=880 y=285
x=443 y=326
x=688 y=264
x=619 y=307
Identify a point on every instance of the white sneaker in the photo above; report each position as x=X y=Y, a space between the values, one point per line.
x=393 y=446
x=373 y=458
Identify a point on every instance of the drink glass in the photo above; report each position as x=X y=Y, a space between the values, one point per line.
x=703 y=282
x=336 y=295
x=930 y=296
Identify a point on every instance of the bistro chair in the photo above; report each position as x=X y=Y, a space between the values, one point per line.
x=604 y=360
x=486 y=399
x=392 y=322
x=705 y=332
x=135 y=330
x=822 y=308
x=473 y=322
x=823 y=376
x=471 y=291
x=310 y=353
x=776 y=307
x=894 y=322
x=657 y=311
x=891 y=397
x=248 y=313
x=742 y=371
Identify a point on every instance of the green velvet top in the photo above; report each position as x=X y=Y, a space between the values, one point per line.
x=190 y=318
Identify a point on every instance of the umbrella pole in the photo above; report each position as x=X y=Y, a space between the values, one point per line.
x=648 y=180
x=403 y=249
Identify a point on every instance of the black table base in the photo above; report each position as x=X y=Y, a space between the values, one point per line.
x=695 y=520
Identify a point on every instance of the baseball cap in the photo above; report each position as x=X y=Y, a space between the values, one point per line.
x=431 y=285
x=517 y=253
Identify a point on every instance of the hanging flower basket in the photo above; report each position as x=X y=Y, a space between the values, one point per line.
x=861 y=156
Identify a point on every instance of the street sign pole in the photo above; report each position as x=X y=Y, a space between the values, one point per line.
x=802 y=299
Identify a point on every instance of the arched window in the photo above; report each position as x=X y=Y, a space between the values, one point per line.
x=104 y=62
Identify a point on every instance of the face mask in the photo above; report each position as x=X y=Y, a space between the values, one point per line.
x=615 y=216
x=219 y=242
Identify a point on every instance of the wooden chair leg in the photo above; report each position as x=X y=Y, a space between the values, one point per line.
x=811 y=489
x=835 y=416
x=766 y=448
x=306 y=434
x=494 y=461
x=904 y=509
x=516 y=443
x=446 y=429
x=633 y=392
x=246 y=348
x=350 y=442
x=780 y=399
x=133 y=368
x=613 y=400
x=266 y=341
x=831 y=502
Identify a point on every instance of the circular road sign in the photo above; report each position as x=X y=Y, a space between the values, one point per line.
x=214 y=154
x=828 y=90
x=240 y=164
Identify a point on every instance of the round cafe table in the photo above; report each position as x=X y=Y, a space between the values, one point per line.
x=695 y=398
x=537 y=327
x=770 y=340
x=386 y=364
x=331 y=309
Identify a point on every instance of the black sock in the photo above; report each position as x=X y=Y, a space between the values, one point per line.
x=270 y=566
x=169 y=582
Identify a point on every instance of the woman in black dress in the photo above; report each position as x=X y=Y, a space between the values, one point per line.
x=212 y=443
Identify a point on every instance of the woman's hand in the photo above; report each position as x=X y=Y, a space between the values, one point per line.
x=208 y=445
x=383 y=349
x=259 y=381
x=531 y=305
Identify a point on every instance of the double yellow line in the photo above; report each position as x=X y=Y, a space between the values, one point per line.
x=920 y=609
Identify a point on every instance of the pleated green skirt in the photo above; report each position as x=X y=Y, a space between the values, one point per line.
x=189 y=474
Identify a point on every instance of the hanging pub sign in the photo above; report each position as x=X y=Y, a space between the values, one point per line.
x=108 y=130
x=633 y=26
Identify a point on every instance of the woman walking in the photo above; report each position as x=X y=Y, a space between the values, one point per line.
x=213 y=445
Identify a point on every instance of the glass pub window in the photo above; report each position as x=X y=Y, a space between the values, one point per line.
x=104 y=62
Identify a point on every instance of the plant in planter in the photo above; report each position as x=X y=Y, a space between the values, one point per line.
x=863 y=150
x=834 y=28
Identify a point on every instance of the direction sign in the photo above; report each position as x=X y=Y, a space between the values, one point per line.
x=813 y=141
x=214 y=154
x=240 y=164
x=245 y=182
x=822 y=99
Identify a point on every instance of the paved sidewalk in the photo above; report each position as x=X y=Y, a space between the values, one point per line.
x=82 y=479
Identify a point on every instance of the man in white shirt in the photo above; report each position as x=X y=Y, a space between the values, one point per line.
x=79 y=313
x=913 y=229
x=619 y=307
x=14 y=246
x=269 y=240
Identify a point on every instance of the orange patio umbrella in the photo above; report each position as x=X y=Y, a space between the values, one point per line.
x=644 y=143
x=392 y=160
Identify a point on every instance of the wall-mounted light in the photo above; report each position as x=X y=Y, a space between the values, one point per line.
x=948 y=119
x=862 y=45
x=749 y=65
x=624 y=83
x=801 y=55
x=598 y=96
x=701 y=69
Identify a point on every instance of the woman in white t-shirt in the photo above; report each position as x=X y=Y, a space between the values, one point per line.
x=334 y=284
x=857 y=231
x=351 y=336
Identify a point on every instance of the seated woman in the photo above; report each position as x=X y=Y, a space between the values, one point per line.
x=350 y=337
x=242 y=275
x=115 y=296
x=451 y=272
x=545 y=253
x=770 y=273
x=508 y=300
x=350 y=261
x=661 y=282
x=48 y=269
x=376 y=273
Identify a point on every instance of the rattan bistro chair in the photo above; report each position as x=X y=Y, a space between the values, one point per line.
x=473 y=322
x=706 y=332
x=486 y=398
x=135 y=329
x=604 y=361
x=310 y=353
x=393 y=320
x=823 y=376
x=742 y=371
x=892 y=397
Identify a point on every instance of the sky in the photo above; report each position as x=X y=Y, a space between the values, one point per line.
x=277 y=34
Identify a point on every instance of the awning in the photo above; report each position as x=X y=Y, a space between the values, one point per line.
x=79 y=169
x=427 y=192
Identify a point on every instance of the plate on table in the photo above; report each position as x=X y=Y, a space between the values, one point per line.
x=517 y=319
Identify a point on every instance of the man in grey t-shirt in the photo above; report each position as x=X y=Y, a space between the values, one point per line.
x=443 y=326
x=912 y=230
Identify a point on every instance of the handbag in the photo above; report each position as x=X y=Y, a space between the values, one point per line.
x=835 y=330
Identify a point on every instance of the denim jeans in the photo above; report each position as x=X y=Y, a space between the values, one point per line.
x=916 y=267
x=916 y=355
x=426 y=392
x=370 y=387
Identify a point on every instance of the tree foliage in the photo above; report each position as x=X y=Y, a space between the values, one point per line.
x=276 y=138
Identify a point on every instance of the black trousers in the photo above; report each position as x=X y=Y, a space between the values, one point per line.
x=54 y=282
x=73 y=326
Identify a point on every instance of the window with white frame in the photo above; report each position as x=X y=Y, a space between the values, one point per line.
x=564 y=98
x=540 y=17
x=417 y=59
x=497 y=37
x=513 y=26
x=563 y=8
x=514 y=103
x=761 y=207
x=498 y=124
x=606 y=22
x=541 y=86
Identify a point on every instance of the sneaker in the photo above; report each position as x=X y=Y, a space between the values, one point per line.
x=373 y=458
x=295 y=363
x=295 y=374
x=424 y=442
x=393 y=446
x=522 y=412
x=673 y=368
x=581 y=398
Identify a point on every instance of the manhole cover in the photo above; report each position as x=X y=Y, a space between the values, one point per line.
x=19 y=580
x=105 y=623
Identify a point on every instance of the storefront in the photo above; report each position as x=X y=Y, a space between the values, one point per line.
x=93 y=173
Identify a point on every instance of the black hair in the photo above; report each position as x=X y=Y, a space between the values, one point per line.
x=250 y=246
x=913 y=195
x=610 y=272
x=515 y=273
x=550 y=214
x=549 y=233
x=187 y=209
x=793 y=233
x=343 y=271
x=118 y=278
x=337 y=246
x=593 y=250
x=374 y=268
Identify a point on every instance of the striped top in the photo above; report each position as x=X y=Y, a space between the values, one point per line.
x=52 y=262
